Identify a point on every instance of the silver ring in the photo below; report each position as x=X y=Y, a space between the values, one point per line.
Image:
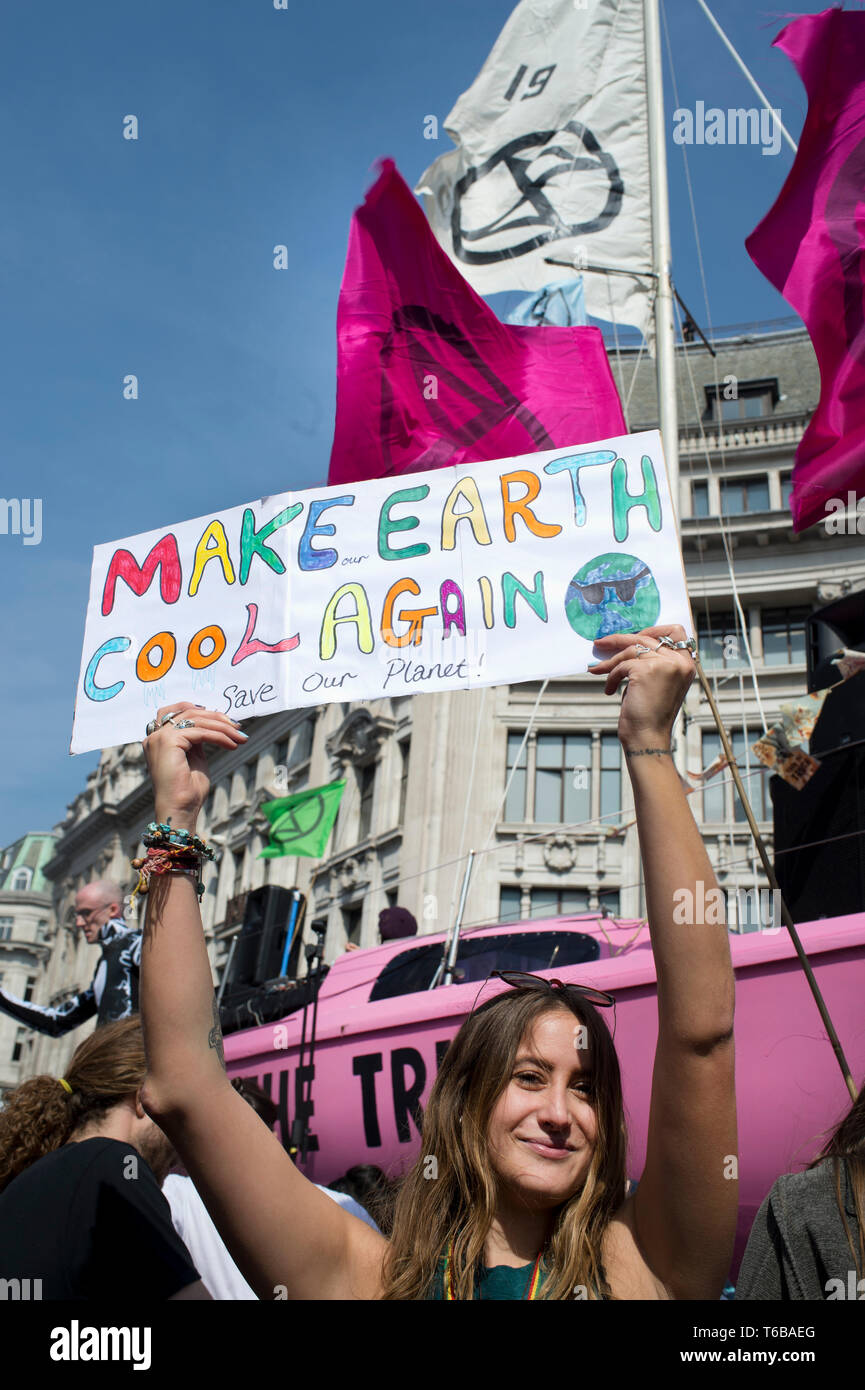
x=640 y=649
x=151 y=727
x=666 y=642
x=167 y=719
x=689 y=646
x=185 y=724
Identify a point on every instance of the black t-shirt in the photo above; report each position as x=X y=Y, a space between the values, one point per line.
x=90 y=1221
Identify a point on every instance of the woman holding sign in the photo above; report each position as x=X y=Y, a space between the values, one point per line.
x=525 y=1118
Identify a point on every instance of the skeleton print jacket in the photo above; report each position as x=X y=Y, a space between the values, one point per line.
x=112 y=994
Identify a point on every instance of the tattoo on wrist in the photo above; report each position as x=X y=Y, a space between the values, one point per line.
x=214 y=1037
x=647 y=752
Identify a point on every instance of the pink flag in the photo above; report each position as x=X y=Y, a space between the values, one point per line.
x=812 y=248
x=428 y=376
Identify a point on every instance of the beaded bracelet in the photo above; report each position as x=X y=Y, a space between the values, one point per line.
x=158 y=835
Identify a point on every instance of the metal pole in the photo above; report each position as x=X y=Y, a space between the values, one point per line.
x=227 y=971
x=665 y=333
x=662 y=260
x=453 y=948
x=741 y=65
x=773 y=882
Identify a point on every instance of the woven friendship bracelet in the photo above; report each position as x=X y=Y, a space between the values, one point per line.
x=169 y=859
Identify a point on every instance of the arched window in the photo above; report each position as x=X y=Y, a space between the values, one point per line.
x=21 y=880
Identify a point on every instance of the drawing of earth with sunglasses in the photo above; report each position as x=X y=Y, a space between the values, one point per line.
x=612 y=593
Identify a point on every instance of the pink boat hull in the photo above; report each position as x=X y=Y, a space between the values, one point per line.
x=374 y=1062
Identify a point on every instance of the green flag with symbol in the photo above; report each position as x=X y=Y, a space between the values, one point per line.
x=300 y=824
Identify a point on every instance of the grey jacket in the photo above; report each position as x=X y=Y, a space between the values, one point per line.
x=798 y=1248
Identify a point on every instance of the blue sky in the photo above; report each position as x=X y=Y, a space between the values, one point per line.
x=155 y=257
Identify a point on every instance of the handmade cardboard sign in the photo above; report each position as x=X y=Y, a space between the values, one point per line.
x=480 y=574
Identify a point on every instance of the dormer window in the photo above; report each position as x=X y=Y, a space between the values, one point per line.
x=733 y=399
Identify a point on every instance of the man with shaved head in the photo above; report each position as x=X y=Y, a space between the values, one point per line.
x=113 y=991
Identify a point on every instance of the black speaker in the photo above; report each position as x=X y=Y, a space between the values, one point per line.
x=838 y=624
x=842 y=718
x=258 y=952
x=820 y=835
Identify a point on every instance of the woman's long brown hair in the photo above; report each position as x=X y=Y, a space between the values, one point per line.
x=40 y=1114
x=458 y=1203
x=847 y=1146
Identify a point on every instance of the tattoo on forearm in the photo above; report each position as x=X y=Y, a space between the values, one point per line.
x=214 y=1037
x=643 y=752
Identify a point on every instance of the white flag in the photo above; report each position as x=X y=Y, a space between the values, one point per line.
x=553 y=158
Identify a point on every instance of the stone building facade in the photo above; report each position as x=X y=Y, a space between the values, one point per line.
x=429 y=777
x=27 y=935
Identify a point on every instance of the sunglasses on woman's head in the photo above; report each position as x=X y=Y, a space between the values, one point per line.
x=521 y=979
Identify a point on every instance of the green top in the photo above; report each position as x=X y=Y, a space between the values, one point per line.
x=499 y=1282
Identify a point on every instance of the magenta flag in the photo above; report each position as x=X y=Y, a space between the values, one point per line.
x=427 y=375
x=811 y=246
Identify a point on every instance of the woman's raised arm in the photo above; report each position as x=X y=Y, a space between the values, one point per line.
x=288 y=1239
x=684 y=1210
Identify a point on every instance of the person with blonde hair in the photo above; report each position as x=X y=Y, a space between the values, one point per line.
x=81 y=1165
x=525 y=1118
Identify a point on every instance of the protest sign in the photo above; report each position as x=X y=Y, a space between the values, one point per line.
x=479 y=574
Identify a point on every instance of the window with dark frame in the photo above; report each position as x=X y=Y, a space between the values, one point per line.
x=611 y=777
x=301 y=746
x=720 y=800
x=784 y=636
x=515 y=804
x=280 y=757
x=239 y=857
x=510 y=904
x=404 y=753
x=720 y=642
x=563 y=778
x=351 y=918
x=700 y=498
x=741 y=400
x=558 y=902
x=742 y=495
x=553 y=902
x=367 y=792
